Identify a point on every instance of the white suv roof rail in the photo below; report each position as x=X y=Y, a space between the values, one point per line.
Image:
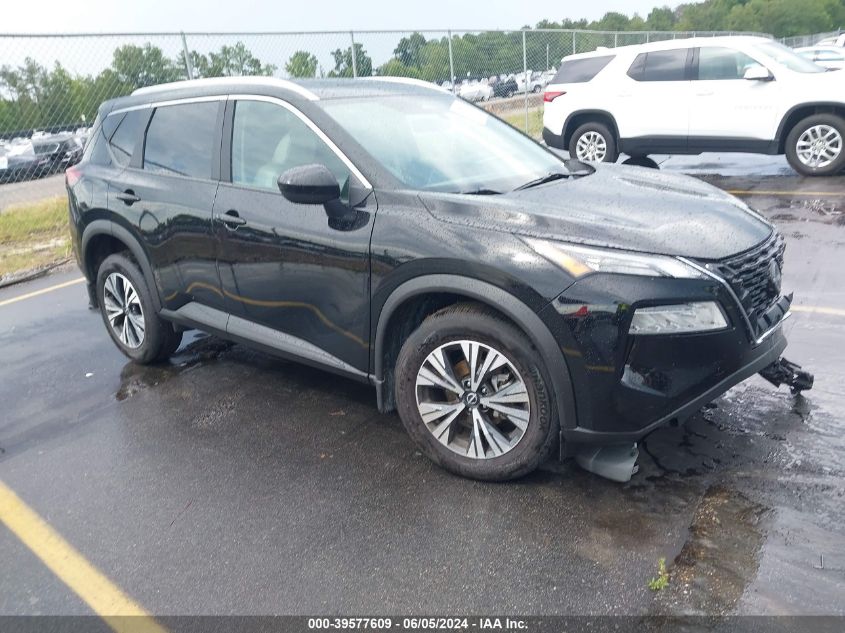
x=216 y=81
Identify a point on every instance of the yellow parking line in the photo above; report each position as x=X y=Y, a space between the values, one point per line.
x=818 y=310
x=97 y=591
x=35 y=293
x=763 y=192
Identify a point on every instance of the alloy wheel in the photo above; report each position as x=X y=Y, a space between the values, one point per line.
x=591 y=146
x=818 y=146
x=123 y=310
x=472 y=399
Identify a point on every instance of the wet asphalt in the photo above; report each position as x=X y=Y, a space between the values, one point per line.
x=230 y=482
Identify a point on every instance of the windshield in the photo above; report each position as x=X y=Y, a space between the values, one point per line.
x=787 y=57
x=439 y=143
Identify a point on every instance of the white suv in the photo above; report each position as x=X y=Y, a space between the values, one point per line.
x=719 y=94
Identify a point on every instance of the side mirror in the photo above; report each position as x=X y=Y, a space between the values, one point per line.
x=758 y=73
x=309 y=184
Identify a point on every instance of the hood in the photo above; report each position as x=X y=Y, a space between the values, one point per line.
x=628 y=208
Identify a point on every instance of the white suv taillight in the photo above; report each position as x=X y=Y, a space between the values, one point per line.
x=551 y=95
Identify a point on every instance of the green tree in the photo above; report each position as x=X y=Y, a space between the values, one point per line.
x=147 y=65
x=230 y=61
x=395 y=68
x=409 y=48
x=660 y=19
x=302 y=64
x=343 y=62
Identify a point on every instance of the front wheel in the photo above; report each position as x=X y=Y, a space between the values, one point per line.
x=814 y=147
x=593 y=142
x=472 y=394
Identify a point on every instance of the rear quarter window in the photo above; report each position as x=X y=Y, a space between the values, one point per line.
x=124 y=133
x=577 y=71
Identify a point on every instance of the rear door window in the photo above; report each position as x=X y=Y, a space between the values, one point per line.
x=180 y=139
x=576 y=71
x=668 y=65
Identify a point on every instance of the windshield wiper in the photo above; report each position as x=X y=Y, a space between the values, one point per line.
x=542 y=180
x=480 y=192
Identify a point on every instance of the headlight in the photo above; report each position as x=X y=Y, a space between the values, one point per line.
x=699 y=316
x=582 y=260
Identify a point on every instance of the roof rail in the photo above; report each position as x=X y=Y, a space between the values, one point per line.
x=409 y=81
x=216 y=81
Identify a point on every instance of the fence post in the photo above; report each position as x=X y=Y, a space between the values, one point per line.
x=573 y=43
x=189 y=69
x=354 y=61
x=615 y=40
x=527 y=79
x=451 y=65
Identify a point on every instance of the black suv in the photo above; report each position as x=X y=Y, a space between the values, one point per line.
x=505 y=300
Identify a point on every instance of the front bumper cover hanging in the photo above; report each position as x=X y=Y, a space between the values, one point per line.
x=784 y=372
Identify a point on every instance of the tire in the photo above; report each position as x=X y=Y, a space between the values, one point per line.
x=831 y=129
x=507 y=451
x=609 y=154
x=155 y=339
x=641 y=161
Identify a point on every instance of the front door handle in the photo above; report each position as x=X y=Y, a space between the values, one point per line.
x=232 y=219
x=128 y=197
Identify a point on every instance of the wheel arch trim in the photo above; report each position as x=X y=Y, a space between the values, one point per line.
x=566 y=132
x=113 y=229
x=493 y=296
x=782 y=132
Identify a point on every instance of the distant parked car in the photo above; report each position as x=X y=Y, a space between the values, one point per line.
x=505 y=88
x=836 y=40
x=475 y=91
x=60 y=151
x=535 y=83
x=18 y=161
x=831 y=57
x=714 y=94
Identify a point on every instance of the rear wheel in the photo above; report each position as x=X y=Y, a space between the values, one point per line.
x=815 y=146
x=471 y=392
x=129 y=314
x=593 y=142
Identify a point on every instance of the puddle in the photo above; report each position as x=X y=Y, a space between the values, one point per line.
x=200 y=350
x=720 y=557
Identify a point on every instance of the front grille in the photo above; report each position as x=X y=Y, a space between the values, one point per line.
x=752 y=278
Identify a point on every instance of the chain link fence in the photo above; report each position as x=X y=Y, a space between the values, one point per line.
x=798 y=41
x=51 y=86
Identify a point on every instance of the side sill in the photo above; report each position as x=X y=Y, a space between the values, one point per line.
x=261 y=337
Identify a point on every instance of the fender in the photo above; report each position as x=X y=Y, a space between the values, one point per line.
x=810 y=104
x=108 y=227
x=495 y=297
x=572 y=115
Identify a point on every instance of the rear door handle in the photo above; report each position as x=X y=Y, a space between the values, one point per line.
x=128 y=197
x=708 y=93
x=232 y=219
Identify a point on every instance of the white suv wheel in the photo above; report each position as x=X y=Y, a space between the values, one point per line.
x=591 y=146
x=819 y=146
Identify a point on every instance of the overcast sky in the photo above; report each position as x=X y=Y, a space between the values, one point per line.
x=55 y=16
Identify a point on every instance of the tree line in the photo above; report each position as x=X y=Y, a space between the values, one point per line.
x=34 y=96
